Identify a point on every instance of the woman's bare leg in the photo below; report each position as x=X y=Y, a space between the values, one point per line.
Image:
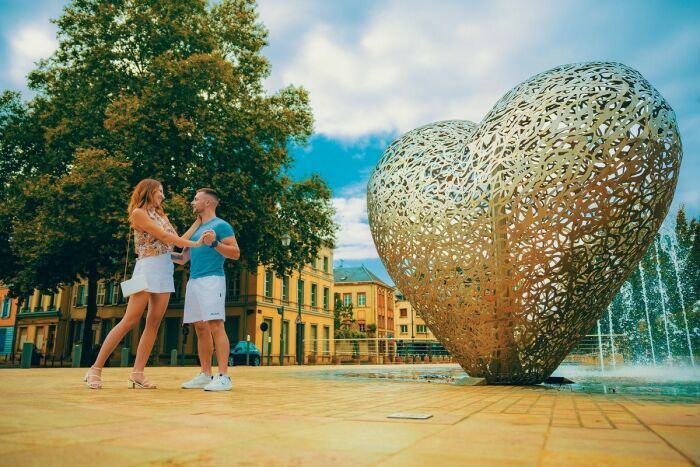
x=132 y=315
x=157 y=306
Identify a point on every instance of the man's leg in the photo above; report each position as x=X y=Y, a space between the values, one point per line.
x=204 y=346
x=221 y=342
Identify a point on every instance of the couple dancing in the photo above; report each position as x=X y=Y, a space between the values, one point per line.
x=208 y=242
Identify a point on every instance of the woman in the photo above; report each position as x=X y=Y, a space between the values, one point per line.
x=154 y=238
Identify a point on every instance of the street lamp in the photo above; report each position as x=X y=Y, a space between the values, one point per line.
x=286 y=239
x=300 y=330
x=285 y=243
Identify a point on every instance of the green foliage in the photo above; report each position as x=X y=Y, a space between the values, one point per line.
x=164 y=89
x=660 y=280
x=344 y=322
x=692 y=268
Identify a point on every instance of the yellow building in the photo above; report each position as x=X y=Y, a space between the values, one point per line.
x=252 y=297
x=372 y=300
x=408 y=324
x=43 y=319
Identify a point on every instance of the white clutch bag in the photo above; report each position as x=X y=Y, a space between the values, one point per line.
x=137 y=283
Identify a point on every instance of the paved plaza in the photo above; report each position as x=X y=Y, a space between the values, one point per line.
x=301 y=416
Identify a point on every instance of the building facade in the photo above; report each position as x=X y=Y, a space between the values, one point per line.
x=253 y=297
x=372 y=300
x=408 y=324
x=7 y=322
x=43 y=320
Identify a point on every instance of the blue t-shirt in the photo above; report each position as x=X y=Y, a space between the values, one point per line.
x=205 y=261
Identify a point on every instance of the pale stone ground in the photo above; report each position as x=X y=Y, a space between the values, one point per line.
x=289 y=416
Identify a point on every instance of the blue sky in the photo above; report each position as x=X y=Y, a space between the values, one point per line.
x=376 y=69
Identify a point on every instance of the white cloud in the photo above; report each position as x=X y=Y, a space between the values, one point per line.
x=409 y=63
x=354 y=238
x=29 y=43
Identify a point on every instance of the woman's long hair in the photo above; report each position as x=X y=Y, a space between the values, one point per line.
x=143 y=196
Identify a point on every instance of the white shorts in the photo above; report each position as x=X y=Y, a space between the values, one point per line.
x=158 y=271
x=205 y=299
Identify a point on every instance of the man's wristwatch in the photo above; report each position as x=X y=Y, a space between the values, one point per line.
x=214 y=244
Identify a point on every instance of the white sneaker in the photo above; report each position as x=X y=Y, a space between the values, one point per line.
x=198 y=382
x=219 y=383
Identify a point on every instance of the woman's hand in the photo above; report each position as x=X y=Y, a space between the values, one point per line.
x=208 y=237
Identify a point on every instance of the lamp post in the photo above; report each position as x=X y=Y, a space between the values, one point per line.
x=300 y=341
x=285 y=243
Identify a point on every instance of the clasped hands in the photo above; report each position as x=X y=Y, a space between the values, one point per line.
x=207 y=238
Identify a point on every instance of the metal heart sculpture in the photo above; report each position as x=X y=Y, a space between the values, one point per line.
x=511 y=237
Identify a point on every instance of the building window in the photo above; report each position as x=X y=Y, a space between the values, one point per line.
x=116 y=293
x=285 y=336
x=300 y=291
x=326 y=298
x=101 y=293
x=362 y=327
x=234 y=284
x=81 y=296
x=268 y=283
x=3 y=338
x=108 y=293
x=361 y=299
x=325 y=264
x=314 y=294
x=326 y=340
x=403 y=313
x=404 y=329
x=347 y=299
x=314 y=338
x=421 y=329
x=285 y=289
x=6 y=305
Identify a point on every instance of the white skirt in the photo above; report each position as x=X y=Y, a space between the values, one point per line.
x=158 y=271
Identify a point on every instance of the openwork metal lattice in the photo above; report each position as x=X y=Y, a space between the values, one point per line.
x=511 y=237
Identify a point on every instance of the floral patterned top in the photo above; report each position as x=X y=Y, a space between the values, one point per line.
x=146 y=244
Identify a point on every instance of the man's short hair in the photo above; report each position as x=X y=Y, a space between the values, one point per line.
x=211 y=192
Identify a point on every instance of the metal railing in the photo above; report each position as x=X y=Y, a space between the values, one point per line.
x=375 y=350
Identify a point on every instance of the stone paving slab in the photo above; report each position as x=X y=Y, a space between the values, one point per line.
x=300 y=416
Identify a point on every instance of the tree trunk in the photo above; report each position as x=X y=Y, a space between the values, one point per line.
x=87 y=356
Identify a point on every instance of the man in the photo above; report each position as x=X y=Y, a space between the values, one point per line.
x=206 y=292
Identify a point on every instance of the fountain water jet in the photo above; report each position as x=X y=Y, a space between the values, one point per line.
x=674 y=260
x=612 y=337
x=600 y=350
x=663 y=303
x=646 y=310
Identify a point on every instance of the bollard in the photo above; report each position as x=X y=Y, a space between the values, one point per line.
x=247 y=351
x=125 y=357
x=77 y=354
x=173 y=357
x=269 y=349
x=27 y=351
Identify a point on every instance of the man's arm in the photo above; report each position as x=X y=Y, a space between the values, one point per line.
x=181 y=258
x=228 y=247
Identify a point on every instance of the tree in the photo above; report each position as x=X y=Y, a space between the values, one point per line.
x=692 y=268
x=683 y=232
x=174 y=90
x=73 y=226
